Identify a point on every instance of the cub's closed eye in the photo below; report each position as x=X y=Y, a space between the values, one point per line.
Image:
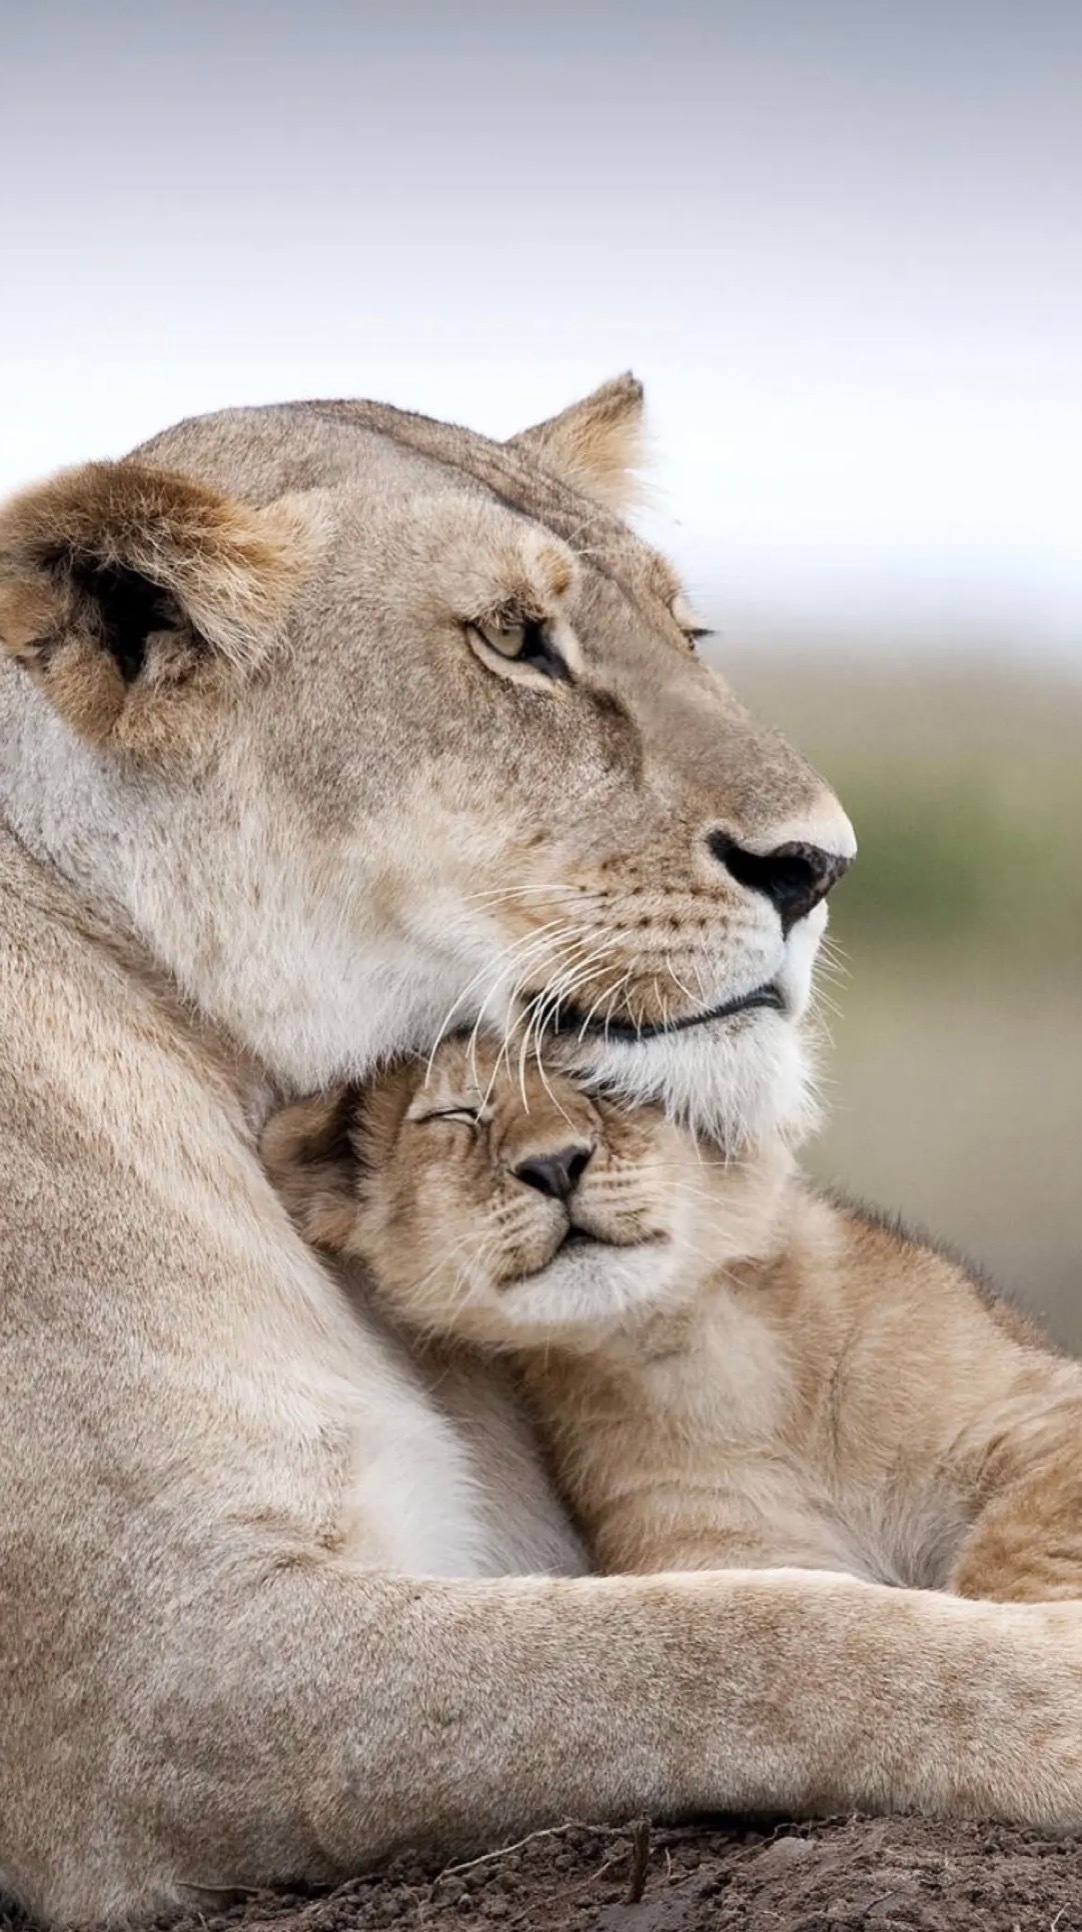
x=467 y=1114
x=523 y=644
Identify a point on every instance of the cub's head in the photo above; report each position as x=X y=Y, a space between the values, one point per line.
x=505 y=1205
x=372 y=728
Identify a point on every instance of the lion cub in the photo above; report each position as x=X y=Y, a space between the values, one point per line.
x=726 y=1367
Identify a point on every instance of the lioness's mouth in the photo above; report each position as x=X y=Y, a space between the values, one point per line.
x=570 y=1020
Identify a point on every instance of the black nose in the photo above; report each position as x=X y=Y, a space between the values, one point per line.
x=557 y=1175
x=793 y=877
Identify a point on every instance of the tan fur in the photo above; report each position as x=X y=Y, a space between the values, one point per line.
x=257 y=1611
x=596 y=445
x=735 y=1371
x=228 y=574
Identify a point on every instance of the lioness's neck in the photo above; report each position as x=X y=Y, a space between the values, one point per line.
x=62 y=802
x=239 y=924
x=86 y=985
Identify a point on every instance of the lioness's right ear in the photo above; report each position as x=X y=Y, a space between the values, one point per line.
x=595 y=444
x=123 y=588
x=308 y=1151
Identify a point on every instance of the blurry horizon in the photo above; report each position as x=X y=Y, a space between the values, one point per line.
x=839 y=243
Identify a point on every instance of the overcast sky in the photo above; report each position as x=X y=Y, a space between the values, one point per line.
x=841 y=240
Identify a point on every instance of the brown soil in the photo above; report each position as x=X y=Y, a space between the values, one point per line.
x=879 y=1873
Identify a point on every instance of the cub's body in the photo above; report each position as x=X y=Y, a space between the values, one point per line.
x=851 y=1403
x=727 y=1369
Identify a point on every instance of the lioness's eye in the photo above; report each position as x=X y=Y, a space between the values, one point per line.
x=689 y=623
x=527 y=642
x=468 y=1114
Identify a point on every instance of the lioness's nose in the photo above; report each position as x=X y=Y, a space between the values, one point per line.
x=557 y=1175
x=794 y=876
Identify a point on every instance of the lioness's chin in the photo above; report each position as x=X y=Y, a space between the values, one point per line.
x=740 y=1082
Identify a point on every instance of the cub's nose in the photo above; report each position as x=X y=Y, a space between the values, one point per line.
x=558 y=1174
x=794 y=876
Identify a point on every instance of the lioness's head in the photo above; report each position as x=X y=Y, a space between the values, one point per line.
x=371 y=727
x=505 y=1205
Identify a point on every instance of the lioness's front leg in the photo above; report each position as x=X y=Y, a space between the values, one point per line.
x=322 y=1719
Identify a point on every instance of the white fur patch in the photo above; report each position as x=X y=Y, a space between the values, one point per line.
x=593 y=1287
x=438 y=1460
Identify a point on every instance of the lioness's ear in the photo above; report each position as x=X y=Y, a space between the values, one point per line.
x=596 y=445
x=121 y=586
x=309 y=1153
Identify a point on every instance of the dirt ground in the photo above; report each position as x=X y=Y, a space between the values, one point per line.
x=834 y=1876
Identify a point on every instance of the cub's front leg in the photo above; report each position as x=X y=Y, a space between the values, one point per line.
x=1025 y=1542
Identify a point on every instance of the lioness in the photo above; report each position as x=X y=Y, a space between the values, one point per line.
x=323 y=727
x=725 y=1367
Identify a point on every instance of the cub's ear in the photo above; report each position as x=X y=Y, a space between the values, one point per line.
x=596 y=444
x=123 y=588
x=309 y=1153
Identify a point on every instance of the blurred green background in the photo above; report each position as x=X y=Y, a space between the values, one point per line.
x=954 y=1075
